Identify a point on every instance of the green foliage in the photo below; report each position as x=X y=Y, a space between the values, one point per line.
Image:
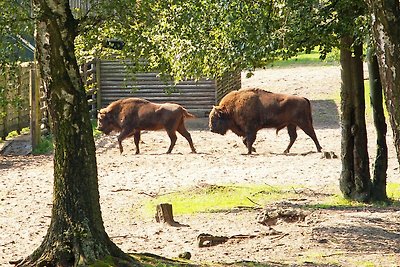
x=96 y=133
x=189 y=39
x=15 y=133
x=314 y=23
x=16 y=26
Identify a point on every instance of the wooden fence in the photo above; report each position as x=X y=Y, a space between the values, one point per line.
x=115 y=81
x=14 y=100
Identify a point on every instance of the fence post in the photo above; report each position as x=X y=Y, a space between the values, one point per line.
x=35 y=105
x=98 y=84
x=4 y=132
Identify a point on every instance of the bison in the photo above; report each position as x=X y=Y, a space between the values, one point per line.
x=131 y=115
x=246 y=111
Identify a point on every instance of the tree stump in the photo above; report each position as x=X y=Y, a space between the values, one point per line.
x=207 y=240
x=164 y=214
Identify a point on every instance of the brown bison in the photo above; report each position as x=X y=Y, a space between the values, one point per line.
x=131 y=115
x=246 y=111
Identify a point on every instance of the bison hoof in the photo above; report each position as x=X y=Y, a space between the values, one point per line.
x=286 y=151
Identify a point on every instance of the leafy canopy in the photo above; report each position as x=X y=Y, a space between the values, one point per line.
x=190 y=39
x=196 y=38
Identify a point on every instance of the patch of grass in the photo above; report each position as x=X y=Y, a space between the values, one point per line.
x=152 y=260
x=312 y=58
x=338 y=201
x=45 y=146
x=96 y=133
x=217 y=198
x=214 y=198
x=393 y=191
x=317 y=258
x=365 y=264
x=46 y=142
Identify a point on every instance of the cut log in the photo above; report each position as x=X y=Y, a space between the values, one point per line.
x=164 y=214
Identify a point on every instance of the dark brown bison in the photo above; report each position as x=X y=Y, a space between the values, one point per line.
x=246 y=111
x=131 y=115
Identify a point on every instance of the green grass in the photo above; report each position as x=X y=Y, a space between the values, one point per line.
x=214 y=198
x=306 y=59
x=393 y=191
x=96 y=133
x=45 y=145
x=217 y=198
x=338 y=201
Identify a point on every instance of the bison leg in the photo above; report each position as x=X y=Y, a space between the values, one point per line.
x=250 y=138
x=125 y=133
x=136 y=138
x=309 y=130
x=245 y=143
x=292 y=135
x=182 y=130
x=172 y=136
x=121 y=149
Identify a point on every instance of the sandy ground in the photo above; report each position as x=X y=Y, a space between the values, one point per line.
x=330 y=237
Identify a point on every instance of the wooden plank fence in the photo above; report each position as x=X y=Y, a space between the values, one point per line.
x=115 y=81
x=14 y=101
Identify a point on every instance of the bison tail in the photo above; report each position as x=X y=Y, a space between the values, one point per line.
x=187 y=114
x=310 y=113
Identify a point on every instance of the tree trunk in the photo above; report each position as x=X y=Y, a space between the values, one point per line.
x=76 y=236
x=385 y=23
x=381 y=160
x=355 y=180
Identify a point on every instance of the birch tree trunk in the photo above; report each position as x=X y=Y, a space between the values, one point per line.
x=385 y=16
x=76 y=235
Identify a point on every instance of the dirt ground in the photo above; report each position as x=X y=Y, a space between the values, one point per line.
x=326 y=237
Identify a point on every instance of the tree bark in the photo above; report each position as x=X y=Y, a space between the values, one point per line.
x=355 y=180
x=381 y=159
x=385 y=17
x=76 y=235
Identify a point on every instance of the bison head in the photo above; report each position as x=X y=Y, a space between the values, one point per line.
x=105 y=122
x=218 y=120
